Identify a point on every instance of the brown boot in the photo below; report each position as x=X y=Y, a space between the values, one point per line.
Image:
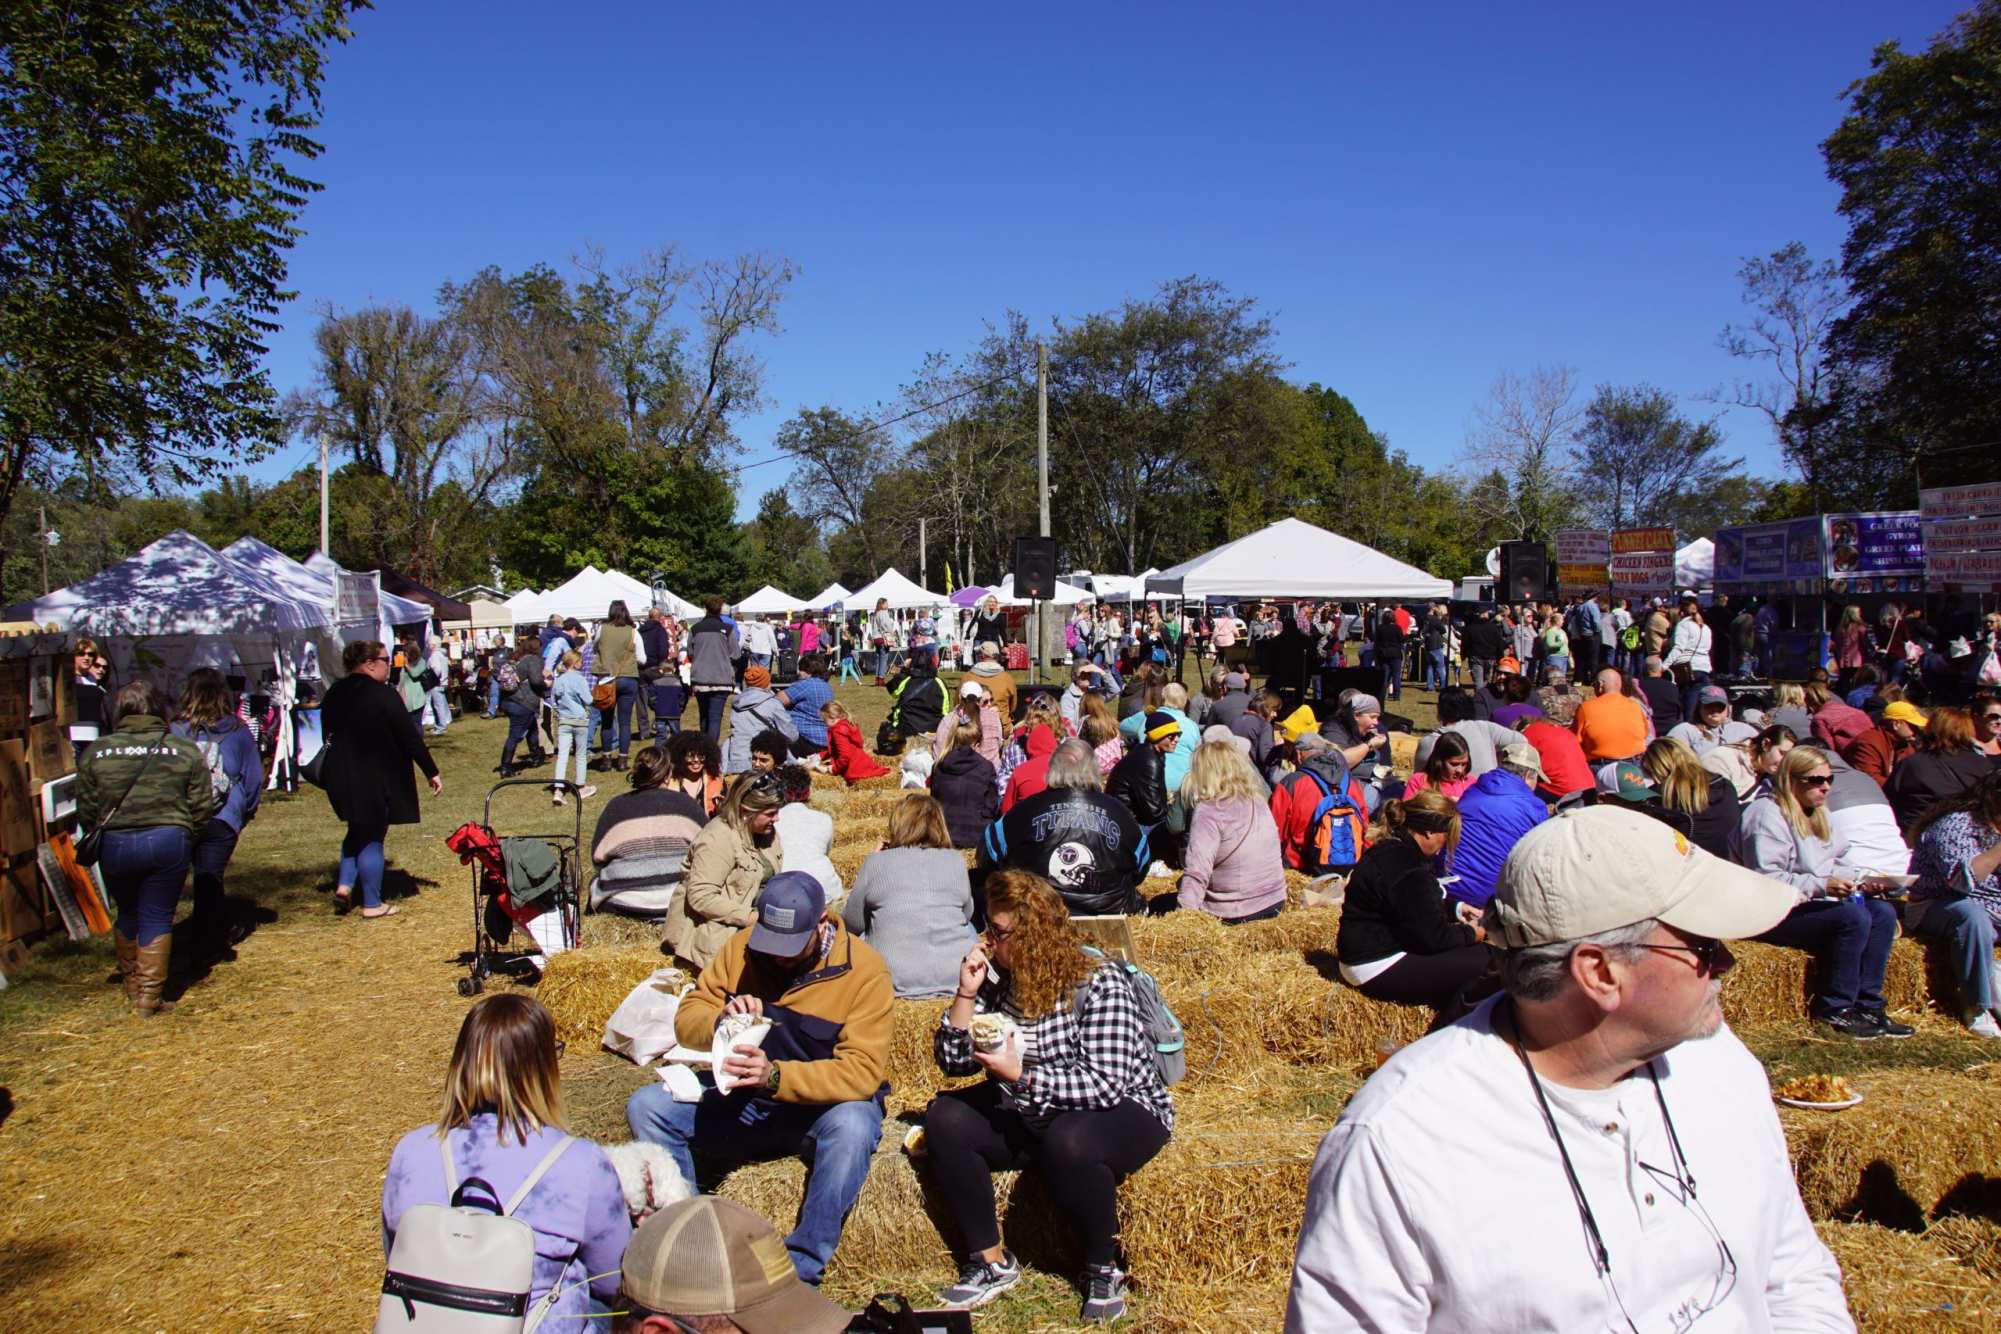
x=128 y=964
x=152 y=977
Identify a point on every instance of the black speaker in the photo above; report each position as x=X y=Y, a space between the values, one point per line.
x=1035 y=567
x=1524 y=572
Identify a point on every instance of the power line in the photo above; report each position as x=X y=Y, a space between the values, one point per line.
x=784 y=454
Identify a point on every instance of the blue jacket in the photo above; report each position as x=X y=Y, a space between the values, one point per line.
x=231 y=750
x=571 y=696
x=1493 y=815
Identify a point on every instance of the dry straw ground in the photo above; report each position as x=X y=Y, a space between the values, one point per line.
x=220 y=1169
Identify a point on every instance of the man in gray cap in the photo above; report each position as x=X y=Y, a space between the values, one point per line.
x=1235 y=699
x=1590 y=1149
x=714 y=1267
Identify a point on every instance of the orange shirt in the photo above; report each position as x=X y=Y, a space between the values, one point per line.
x=1611 y=727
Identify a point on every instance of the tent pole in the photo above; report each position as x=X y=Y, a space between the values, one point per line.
x=1042 y=635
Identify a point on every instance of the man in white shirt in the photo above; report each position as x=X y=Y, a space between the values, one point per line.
x=438 y=699
x=1592 y=1149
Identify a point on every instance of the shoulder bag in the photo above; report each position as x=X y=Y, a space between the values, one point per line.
x=90 y=846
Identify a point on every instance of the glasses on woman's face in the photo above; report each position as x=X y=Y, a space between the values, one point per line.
x=1815 y=780
x=998 y=933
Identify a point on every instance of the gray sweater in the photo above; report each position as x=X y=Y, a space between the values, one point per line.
x=914 y=906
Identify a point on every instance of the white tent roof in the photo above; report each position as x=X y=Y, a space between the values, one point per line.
x=522 y=606
x=901 y=592
x=831 y=596
x=488 y=615
x=767 y=601
x=395 y=610
x=1294 y=559
x=1695 y=564
x=1122 y=587
x=589 y=593
x=1067 y=595
x=177 y=585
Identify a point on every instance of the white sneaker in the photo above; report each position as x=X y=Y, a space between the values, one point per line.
x=1984 y=1026
x=1159 y=871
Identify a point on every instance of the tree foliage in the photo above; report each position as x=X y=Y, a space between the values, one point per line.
x=1637 y=458
x=150 y=153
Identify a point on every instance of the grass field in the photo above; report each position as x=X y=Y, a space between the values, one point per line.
x=220 y=1168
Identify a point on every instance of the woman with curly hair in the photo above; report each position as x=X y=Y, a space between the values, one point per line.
x=1071 y=1090
x=695 y=768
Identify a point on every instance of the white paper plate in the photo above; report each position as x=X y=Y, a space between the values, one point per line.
x=1889 y=881
x=721 y=1046
x=1818 y=1106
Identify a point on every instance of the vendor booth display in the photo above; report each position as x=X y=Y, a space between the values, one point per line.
x=42 y=889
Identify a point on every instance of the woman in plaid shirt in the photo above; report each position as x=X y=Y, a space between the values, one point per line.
x=1073 y=1091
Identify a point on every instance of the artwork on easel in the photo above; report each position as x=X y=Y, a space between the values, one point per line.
x=57 y=880
x=41 y=687
x=50 y=754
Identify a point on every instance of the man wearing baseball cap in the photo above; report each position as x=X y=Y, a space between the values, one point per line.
x=1236 y=697
x=1711 y=724
x=1590 y=1149
x=715 y=1267
x=1494 y=814
x=1894 y=736
x=814 y=1085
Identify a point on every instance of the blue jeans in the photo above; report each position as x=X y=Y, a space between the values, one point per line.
x=836 y=1141
x=1434 y=669
x=520 y=728
x=492 y=694
x=1850 y=939
x=881 y=663
x=761 y=660
x=361 y=861
x=1968 y=932
x=712 y=705
x=438 y=708
x=144 y=870
x=212 y=852
x=628 y=692
x=1392 y=665
x=1696 y=681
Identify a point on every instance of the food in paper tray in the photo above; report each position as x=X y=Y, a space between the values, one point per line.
x=914 y=1145
x=733 y=1031
x=1818 y=1091
x=991 y=1031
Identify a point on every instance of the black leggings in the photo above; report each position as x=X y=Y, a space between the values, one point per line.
x=1429 y=979
x=972 y=1133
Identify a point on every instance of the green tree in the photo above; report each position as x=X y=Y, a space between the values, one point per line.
x=1520 y=439
x=1636 y=456
x=149 y=190
x=783 y=548
x=1918 y=354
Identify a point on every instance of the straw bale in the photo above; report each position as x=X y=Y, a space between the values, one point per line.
x=1970 y=1240
x=1268 y=1007
x=1403 y=751
x=1923 y=1144
x=1294 y=931
x=1770 y=984
x=1901 y=1283
x=583 y=986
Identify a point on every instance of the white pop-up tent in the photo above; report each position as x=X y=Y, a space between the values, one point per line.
x=1122 y=587
x=522 y=607
x=394 y=610
x=1294 y=559
x=767 y=601
x=312 y=580
x=901 y=592
x=1067 y=595
x=833 y=595
x=1695 y=565
x=179 y=585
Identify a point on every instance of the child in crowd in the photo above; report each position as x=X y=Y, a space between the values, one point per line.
x=846 y=755
x=571 y=698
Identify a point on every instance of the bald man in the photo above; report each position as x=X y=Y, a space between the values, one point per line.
x=1612 y=726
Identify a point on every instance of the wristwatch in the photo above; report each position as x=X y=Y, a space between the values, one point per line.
x=771 y=1081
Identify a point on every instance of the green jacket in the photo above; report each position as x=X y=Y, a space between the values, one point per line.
x=174 y=791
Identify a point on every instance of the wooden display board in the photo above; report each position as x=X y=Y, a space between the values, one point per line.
x=37 y=704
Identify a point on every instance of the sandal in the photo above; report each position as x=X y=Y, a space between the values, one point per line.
x=343 y=899
x=388 y=910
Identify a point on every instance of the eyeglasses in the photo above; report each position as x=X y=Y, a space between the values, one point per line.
x=1816 y=780
x=1708 y=955
x=561 y=1046
x=1990 y=717
x=996 y=933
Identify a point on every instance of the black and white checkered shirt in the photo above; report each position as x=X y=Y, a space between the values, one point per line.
x=1085 y=1056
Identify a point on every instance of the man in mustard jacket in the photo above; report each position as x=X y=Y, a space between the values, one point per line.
x=814 y=1085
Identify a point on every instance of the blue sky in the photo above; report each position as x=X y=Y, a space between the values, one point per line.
x=1419 y=198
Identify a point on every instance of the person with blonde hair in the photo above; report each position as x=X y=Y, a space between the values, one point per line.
x=965 y=783
x=503 y=1127
x=1232 y=866
x=1099 y=728
x=1400 y=939
x=1707 y=798
x=730 y=861
x=1071 y=1090
x=1784 y=833
x=913 y=899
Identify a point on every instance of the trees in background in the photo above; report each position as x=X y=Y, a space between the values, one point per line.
x=150 y=153
x=1638 y=461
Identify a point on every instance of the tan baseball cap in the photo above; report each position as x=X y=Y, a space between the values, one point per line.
x=707 y=1256
x=1603 y=867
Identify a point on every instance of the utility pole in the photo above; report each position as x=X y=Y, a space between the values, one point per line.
x=43 y=510
x=923 y=578
x=1042 y=636
x=323 y=494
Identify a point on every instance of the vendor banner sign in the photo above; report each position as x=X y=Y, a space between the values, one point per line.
x=1964 y=568
x=1770 y=557
x=357 y=597
x=1870 y=546
x=1582 y=558
x=1642 y=562
x=1960 y=502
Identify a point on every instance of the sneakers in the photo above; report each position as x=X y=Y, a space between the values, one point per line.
x=587 y=790
x=1853 y=1022
x=981 y=1281
x=1983 y=1026
x=1889 y=1027
x=1104 y=1293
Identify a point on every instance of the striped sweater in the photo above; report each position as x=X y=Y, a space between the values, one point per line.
x=642 y=841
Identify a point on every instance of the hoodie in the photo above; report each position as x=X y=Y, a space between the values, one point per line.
x=963 y=783
x=1493 y=815
x=1233 y=865
x=998 y=682
x=1032 y=774
x=753 y=710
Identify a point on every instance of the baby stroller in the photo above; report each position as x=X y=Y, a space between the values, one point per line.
x=526 y=884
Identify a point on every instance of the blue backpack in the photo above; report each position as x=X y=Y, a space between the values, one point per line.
x=1338 y=829
x=1163 y=1030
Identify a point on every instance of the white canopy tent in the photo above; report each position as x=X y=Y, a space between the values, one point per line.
x=767 y=601
x=833 y=595
x=589 y=593
x=394 y=610
x=1067 y=595
x=179 y=585
x=1122 y=587
x=1294 y=559
x=486 y=615
x=312 y=580
x=901 y=592
x=522 y=607
x=1695 y=565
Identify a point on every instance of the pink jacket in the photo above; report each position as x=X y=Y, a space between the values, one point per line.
x=1234 y=867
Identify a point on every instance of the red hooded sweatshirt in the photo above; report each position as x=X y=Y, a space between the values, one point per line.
x=1032 y=774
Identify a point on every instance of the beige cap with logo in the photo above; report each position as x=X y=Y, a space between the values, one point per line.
x=707 y=1256
x=1603 y=867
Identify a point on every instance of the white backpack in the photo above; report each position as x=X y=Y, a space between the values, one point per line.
x=459 y=1269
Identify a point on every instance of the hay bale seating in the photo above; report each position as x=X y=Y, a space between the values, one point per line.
x=1922 y=1146
x=581 y=987
x=1902 y=1283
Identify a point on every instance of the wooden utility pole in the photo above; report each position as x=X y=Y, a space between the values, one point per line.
x=324 y=544
x=923 y=578
x=43 y=511
x=1042 y=626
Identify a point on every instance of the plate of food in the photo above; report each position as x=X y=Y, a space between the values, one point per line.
x=1884 y=880
x=1818 y=1093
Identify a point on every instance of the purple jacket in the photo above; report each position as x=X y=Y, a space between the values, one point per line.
x=577 y=1209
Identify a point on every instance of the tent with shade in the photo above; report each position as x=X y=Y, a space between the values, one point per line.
x=314 y=581
x=901 y=592
x=396 y=611
x=523 y=607
x=1295 y=559
x=767 y=601
x=1695 y=565
x=833 y=595
x=1067 y=595
x=970 y=596
x=403 y=586
x=178 y=585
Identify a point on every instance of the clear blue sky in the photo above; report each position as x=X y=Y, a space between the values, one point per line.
x=1419 y=199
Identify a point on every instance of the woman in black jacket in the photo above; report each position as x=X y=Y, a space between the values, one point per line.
x=1945 y=764
x=1400 y=938
x=919 y=698
x=1706 y=797
x=965 y=784
x=372 y=741
x=990 y=624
